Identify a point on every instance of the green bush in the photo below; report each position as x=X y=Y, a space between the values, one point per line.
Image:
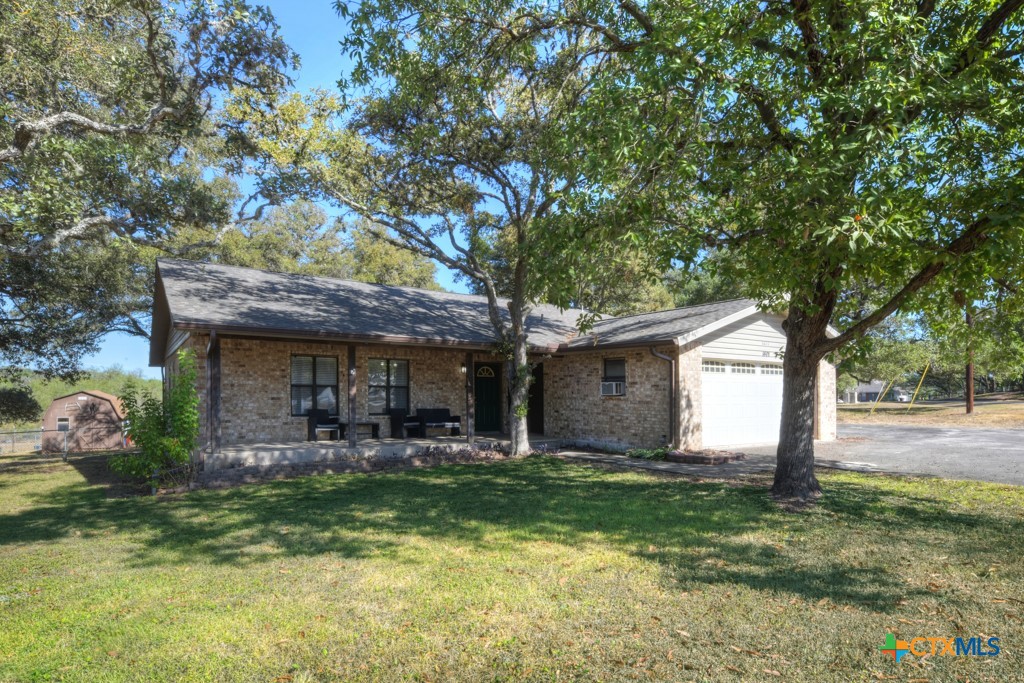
x=648 y=453
x=165 y=433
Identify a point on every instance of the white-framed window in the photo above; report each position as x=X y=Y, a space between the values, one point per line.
x=613 y=381
x=771 y=369
x=63 y=424
x=712 y=366
x=743 y=368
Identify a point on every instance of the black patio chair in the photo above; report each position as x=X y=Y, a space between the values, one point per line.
x=403 y=425
x=320 y=420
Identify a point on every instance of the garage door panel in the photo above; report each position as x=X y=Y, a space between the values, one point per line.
x=741 y=408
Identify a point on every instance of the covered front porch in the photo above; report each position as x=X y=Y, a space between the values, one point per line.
x=267 y=454
x=259 y=391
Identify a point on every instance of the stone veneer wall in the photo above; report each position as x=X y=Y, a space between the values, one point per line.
x=574 y=408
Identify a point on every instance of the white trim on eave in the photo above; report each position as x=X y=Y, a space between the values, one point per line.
x=729 y=320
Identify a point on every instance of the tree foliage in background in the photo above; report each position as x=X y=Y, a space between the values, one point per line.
x=299 y=237
x=113 y=380
x=606 y=279
x=106 y=141
x=894 y=351
x=17 y=404
x=164 y=432
x=846 y=159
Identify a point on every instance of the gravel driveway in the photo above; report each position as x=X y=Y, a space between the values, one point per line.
x=995 y=455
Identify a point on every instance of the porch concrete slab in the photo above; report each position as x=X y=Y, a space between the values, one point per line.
x=266 y=454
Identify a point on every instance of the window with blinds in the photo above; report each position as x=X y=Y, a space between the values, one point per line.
x=314 y=384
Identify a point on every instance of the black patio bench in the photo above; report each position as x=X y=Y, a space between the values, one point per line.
x=404 y=425
x=374 y=429
x=320 y=421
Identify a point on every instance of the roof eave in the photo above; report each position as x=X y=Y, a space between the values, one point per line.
x=632 y=343
x=286 y=334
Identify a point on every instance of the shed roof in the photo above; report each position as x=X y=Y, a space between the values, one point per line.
x=95 y=393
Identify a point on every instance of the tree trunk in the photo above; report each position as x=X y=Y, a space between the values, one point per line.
x=794 y=470
x=518 y=367
x=518 y=373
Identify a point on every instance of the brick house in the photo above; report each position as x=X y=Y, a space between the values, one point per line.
x=271 y=346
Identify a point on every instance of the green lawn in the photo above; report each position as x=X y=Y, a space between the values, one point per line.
x=519 y=570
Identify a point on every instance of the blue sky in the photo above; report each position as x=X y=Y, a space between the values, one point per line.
x=313 y=29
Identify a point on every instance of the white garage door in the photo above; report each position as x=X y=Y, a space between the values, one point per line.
x=742 y=402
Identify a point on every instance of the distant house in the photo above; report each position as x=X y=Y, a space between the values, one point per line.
x=83 y=421
x=270 y=347
x=868 y=392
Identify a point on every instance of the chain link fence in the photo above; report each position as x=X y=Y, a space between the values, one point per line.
x=21 y=442
x=60 y=441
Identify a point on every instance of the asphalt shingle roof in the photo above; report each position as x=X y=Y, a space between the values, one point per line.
x=203 y=295
x=249 y=301
x=659 y=326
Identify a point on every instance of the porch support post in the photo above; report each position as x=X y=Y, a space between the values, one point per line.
x=213 y=392
x=470 y=400
x=352 y=396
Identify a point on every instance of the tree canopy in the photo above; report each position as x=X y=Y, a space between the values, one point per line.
x=299 y=237
x=449 y=154
x=107 y=137
x=848 y=160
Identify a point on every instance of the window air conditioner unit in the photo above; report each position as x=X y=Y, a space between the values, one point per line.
x=613 y=388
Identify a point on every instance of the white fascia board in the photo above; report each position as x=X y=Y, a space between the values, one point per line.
x=717 y=325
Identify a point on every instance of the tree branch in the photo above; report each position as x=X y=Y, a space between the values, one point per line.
x=812 y=46
x=969 y=240
x=985 y=35
x=28 y=133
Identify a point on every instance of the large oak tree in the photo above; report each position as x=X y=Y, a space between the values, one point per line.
x=848 y=159
x=107 y=141
x=447 y=152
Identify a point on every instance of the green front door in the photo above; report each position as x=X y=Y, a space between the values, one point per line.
x=487 y=387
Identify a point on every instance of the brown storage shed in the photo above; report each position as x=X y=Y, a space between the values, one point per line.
x=85 y=421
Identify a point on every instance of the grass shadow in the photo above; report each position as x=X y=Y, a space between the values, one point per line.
x=702 y=533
